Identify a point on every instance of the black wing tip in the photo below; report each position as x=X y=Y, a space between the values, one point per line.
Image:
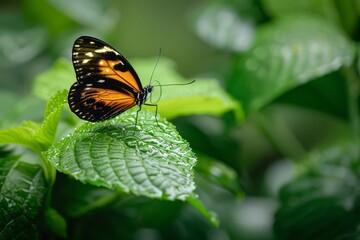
x=86 y=37
x=89 y=38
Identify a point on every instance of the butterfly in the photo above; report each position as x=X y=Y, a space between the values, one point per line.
x=106 y=85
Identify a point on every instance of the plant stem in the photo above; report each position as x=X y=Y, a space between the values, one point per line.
x=282 y=138
x=50 y=176
x=353 y=85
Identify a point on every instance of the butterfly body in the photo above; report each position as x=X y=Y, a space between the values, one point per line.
x=106 y=85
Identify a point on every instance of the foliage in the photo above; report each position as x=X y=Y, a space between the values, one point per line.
x=265 y=142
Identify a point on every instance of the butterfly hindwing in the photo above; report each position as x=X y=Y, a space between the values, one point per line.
x=98 y=104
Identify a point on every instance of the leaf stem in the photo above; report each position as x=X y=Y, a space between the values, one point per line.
x=198 y=205
x=279 y=134
x=353 y=85
x=50 y=176
x=50 y=171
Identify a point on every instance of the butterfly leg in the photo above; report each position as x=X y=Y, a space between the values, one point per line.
x=137 y=114
x=156 y=111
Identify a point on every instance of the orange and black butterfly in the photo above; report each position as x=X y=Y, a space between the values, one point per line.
x=106 y=85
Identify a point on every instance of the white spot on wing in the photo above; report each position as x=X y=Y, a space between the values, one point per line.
x=106 y=49
x=89 y=54
x=85 y=61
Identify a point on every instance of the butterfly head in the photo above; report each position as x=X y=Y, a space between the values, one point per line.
x=148 y=89
x=144 y=96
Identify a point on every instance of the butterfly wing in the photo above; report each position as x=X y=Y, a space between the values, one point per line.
x=107 y=84
x=98 y=104
x=93 y=59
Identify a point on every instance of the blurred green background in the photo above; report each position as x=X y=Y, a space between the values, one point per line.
x=35 y=33
x=293 y=67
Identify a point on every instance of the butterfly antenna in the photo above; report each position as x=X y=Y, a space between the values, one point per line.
x=157 y=62
x=174 y=84
x=158 y=99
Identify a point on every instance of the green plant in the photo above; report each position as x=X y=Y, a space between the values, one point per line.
x=297 y=60
x=277 y=151
x=144 y=161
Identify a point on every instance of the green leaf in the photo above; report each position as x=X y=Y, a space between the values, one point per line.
x=22 y=190
x=204 y=96
x=74 y=199
x=46 y=133
x=147 y=161
x=94 y=14
x=328 y=182
x=313 y=96
x=35 y=136
x=55 y=222
x=21 y=44
x=198 y=205
x=23 y=135
x=221 y=26
x=46 y=15
x=215 y=171
x=324 y=8
x=58 y=77
x=287 y=53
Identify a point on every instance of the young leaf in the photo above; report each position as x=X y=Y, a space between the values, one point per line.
x=287 y=53
x=151 y=160
x=22 y=190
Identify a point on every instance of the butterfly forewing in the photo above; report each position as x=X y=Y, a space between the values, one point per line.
x=93 y=58
x=107 y=84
